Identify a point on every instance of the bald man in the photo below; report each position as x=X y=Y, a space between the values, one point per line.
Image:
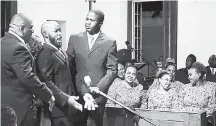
x=18 y=80
x=53 y=67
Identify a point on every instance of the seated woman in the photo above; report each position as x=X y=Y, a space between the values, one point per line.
x=128 y=91
x=199 y=94
x=176 y=85
x=121 y=71
x=162 y=97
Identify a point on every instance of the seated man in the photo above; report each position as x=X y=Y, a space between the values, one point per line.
x=211 y=69
x=182 y=74
x=8 y=116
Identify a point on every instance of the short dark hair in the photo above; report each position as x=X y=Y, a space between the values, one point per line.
x=192 y=56
x=8 y=116
x=99 y=13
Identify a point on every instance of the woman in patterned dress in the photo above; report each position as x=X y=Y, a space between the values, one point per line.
x=176 y=85
x=162 y=97
x=128 y=92
x=199 y=94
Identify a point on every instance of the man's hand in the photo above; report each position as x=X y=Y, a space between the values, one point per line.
x=94 y=90
x=72 y=102
x=51 y=102
x=90 y=103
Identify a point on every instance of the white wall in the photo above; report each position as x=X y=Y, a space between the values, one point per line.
x=74 y=13
x=115 y=23
x=196 y=30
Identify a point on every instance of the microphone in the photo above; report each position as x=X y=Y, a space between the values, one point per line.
x=128 y=45
x=88 y=83
x=87 y=80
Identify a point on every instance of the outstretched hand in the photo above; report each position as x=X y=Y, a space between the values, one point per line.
x=72 y=101
x=90 y=103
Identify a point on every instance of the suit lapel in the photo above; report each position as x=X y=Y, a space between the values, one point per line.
x=98 y=42
x=60 y=55
x=85 y=42
x=56 y=52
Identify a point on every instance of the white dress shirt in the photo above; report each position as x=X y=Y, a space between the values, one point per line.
x=213 y=70
x=90 y=41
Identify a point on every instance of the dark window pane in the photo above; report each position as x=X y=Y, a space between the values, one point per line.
x=135 y=8
x=136 y=22
x=135 y=43
x=136 y=32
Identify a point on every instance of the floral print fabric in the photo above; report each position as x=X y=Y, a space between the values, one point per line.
x=162 y=100
x=129 y=96
x=198 y=98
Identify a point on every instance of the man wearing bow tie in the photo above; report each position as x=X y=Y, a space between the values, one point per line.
x=95 y=55
x=53 y=67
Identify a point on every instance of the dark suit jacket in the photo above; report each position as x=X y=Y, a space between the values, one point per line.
x=209 y=76
x=18 y=81
x=53 y=68
x=182 y=76
x=100 y=63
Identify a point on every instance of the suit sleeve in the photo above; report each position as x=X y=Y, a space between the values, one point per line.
x=111 y=69
x=46 y=70
x=22 y=66
x=80 y=84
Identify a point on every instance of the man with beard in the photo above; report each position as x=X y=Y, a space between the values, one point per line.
x=182 y=74
x=18 y=79
x=211 y=69
x=53 y=67
x=96 y=56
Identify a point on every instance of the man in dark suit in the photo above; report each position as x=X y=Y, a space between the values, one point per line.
x=182 y=74
x=18 y=80
x=53 y=67
x=96 y=56
x=211 y=69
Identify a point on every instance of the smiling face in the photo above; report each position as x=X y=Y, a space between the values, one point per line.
x=55 y=36
x=92 y=23
x=130 y=75
x=171 y=70
x=165 y=81
x=193 y=76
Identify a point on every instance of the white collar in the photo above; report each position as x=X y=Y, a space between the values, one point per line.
x=213 y=69
x=94 y=36
x=52 y=46
x=17 y=36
